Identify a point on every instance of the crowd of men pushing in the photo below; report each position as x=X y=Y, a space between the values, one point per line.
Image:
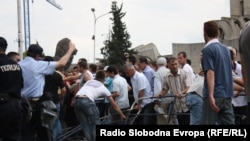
x=25 y=79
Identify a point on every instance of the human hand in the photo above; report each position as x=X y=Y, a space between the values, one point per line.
x=179 y=95
x=156 y=107
x=123 y=117
x=137 y=107
x=236 y=94
x=158 y=95
x=213 y=105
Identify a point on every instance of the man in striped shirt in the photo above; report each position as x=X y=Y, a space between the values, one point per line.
x=177 y=82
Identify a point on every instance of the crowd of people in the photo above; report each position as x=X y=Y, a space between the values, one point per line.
x=216 y=95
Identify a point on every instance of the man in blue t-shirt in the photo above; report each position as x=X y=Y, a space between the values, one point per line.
x=218 y=84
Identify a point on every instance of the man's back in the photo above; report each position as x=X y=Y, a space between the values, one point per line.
x=120 y=85
x=213 y=56
x=11 y=76
x=218 y=85
x=33 y=73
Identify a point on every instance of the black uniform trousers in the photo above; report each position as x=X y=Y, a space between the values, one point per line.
x=10 y=118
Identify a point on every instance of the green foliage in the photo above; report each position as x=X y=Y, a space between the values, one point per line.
x=24 y=54
x=118 y=40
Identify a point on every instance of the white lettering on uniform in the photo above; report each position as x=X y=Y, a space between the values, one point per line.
x=10 y=67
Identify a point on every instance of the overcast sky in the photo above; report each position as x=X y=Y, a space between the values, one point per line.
x=161 y=22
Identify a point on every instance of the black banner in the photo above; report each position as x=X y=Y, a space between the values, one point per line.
x=194 y=133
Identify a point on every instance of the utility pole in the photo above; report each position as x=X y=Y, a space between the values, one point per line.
x=26 y=13
x=95 y=20
x=20 y=34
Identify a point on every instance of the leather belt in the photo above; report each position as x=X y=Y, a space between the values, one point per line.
x=82 y=97
x=34 y=99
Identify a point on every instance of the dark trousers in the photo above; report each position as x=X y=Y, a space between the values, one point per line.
x=70 y=117
x=101 y=107
x=240 y=115
x=10 y=119
x=248 y=113
x=147 y=115
x=183 y=118
x=33 y=129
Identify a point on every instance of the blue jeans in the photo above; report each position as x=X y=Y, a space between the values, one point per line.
x=225 y=116
x=88 y=115
x=194 y=104
x=57 y=128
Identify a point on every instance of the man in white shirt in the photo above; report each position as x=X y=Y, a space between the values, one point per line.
x=159 y=76
x=141 y=89
x=119 y=92
x=85 y=108
x=239 y=102
x=182 y=58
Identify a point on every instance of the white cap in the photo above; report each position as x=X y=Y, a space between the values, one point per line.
x=161 y=61
x=105 y=68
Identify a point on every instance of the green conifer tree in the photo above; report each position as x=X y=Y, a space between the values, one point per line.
x=118 y=39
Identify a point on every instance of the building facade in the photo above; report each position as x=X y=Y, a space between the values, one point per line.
x=230 y=29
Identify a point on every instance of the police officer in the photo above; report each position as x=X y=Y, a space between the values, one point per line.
x=34 y=71
x=10 y=96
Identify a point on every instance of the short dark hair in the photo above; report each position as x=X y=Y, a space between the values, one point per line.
x=35 y=49
x=143 y=59
x=211 y=28
x=83 y=65
x=3 y=43
x=93 y=67
x=172 y=59
x=184 y=54
x=112 y=68
x=100 y=75
x=12 y=53
x=82 y=60
x=48 y=58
